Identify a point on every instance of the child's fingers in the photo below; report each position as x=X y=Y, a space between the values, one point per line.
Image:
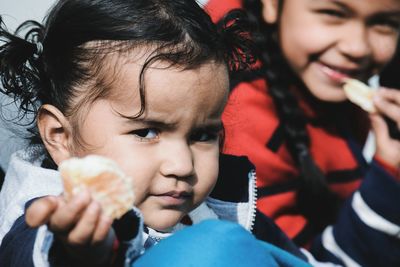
x=388 y=107
x=386 y=148
x=66 y=216
x=84 y=230
x=40 y=211
x=390 y=94
x=380 y=128
x=102 y=229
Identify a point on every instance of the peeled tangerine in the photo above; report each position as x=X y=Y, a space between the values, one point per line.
x=103 y=178
x=360 y=94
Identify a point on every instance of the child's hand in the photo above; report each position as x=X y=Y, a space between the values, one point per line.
x=78 y=224
x=387 y=101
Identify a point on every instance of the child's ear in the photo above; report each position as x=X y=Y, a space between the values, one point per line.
x=55 y=131
x=270 y=11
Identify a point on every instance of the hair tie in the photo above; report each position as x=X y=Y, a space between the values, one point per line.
x=39 y=50
x=302 y=152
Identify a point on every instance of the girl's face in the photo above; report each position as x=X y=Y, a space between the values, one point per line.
x=327 y=40
x=172 y=150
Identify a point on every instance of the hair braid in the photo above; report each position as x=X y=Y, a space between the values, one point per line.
x=314 y=198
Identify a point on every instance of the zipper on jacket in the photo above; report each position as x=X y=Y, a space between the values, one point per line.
x=252 y=199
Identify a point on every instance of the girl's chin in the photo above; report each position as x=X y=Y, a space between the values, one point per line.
x=332 y=99
x=328 y=92
x=163 y=226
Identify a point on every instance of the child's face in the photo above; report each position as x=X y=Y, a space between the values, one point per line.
x=172 y=150
x=326 y=40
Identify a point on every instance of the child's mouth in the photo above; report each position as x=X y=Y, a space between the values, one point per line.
x=174 y=198
x=335 y=74
x=338 y=74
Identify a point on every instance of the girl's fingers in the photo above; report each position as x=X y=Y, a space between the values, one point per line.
x=390 y=94
x=380 y=128
x=102 y=230
x=388 y=102
x=386 y=148
x=67 y=215
x=84 y=230
x=40 y=211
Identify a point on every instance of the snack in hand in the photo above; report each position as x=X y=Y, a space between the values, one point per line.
x=103 y=178
x=360 y=94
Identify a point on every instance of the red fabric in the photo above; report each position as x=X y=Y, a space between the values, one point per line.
x=392 y=170
x=115 y=248
x=250 y=120
x=217 y=8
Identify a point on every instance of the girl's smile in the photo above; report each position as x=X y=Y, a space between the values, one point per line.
x=338 y=74
x=327 y=41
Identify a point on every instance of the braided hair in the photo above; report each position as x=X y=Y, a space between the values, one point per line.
x=314 y=199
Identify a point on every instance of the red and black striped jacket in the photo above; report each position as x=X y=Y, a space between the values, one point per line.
x=252 y=128
x=368 y=191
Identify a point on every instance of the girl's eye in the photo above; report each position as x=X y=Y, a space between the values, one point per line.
x=387 y=25
x=204 y=136
x=146 y=133
x=333 y=13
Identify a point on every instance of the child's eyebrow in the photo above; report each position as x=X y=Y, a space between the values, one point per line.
x=339 y=3
x=211 y=127
x=342 y=5
x=214 y=126
x=334 y=2
x=153 y=123
x=395 y=15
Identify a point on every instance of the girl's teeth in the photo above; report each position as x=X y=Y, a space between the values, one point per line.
x=335 y=74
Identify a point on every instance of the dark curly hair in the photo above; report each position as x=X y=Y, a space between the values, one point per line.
x=43 y=64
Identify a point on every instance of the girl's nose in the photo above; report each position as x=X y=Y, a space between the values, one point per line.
x=355 y=43
x=177 y=161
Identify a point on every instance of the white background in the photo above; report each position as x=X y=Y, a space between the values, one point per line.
x=14 y=12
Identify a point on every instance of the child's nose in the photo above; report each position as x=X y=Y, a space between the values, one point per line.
x=355 y=42
x=177 y=160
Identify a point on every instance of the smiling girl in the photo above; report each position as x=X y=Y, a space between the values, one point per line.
x=140 y=82
x=292 y=119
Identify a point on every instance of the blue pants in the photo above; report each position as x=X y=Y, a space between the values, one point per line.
x=216 y=243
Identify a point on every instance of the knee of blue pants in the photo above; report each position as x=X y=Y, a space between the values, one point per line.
x=215 y=243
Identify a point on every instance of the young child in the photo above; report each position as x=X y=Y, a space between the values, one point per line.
x=142 y=82
x=290 y=116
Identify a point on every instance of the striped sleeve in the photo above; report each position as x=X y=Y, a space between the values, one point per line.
x=29 y=247
x=23 y=246
x=367 y=232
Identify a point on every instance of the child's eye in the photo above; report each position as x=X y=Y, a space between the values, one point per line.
x=333 y=13
x=204 y=136
x=387 y=25
x=146 y=133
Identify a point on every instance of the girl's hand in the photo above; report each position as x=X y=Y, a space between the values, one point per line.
x=387 y=101
x=78 y=224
